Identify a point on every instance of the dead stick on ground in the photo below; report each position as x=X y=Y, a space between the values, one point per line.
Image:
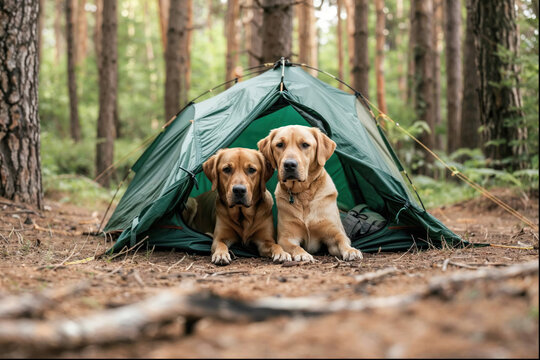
x=29 y=304
x=375 y=275
x=176 y=263
x=128 y=323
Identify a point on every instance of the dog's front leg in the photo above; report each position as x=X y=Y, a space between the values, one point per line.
x=268 y=247
x=340 y=245
x=220 y=248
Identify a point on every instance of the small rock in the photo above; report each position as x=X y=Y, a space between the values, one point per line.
x=28 y=221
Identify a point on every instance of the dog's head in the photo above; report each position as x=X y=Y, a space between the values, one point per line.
x=239 y=175
x=296 y=151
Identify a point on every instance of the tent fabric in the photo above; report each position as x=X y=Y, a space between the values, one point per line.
x=364 y=167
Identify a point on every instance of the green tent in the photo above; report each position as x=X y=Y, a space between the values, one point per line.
x=364 y=167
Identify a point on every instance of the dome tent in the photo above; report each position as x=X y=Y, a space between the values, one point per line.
x=364 y=167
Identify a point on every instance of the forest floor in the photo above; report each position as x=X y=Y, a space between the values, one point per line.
x=485 y=318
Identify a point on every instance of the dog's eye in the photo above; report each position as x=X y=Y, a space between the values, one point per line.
x=279 y=145
x=305 y=145
x=252 y=170
x=227 y=170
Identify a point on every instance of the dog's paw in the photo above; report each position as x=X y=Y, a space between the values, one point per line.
x=303 y=256
x=351 y=254
x=281 y=256
x=221 y=258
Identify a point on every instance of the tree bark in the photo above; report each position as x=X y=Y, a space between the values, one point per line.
x=307 y=35
x=176 y=57
x=436 y=57
x=361 y=58
x=423 y=73
x=379 y=54
x=470 y=107
x=402 y=77
x=410 y=55
x=340 y=43
x=277 y=30
x=75 y=127
x=20 y=166
x=453 y=73
x=253 y=30
x=40 y=25
x=494 y=26
x=349 y=9
x=97 y=32
x=231 y=34
x=164 y=8
x=82 y=28
x=108 y=82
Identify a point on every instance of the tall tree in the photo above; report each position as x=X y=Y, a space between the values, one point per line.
x=277 y=30
x=97 y=31
x=176 y=57
x=20 y=167
x=410 y=54
x=82 y=26
x=40 y=25
x=340 y=43
x=436 y=48
x=361 y=56
x=231 y=34
x=75 y=127
x=470 y=107
x=494 y=24
x=452 y=33
x=423 y=67
x=164 y=8
x=402 y=78
x=108 y=83
x=349 y=9
x=253 y=30
x=307 y=35
x=379 y=54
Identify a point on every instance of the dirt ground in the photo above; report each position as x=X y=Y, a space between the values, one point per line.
x=483 y=319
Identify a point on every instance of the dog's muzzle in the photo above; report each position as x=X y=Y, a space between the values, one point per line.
x=290 y=170
x=239 y=193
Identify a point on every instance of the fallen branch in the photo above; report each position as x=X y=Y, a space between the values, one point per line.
x=32 y=304
x=375 y=275
x=131 y=322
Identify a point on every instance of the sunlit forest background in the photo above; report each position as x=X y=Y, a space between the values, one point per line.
x=69 y=166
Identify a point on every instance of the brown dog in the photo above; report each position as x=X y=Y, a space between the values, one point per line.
x=243 y=205
x=306 y=196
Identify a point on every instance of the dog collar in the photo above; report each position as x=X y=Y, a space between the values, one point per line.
x=291 y=197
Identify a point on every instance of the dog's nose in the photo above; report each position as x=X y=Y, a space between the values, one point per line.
x=290 y=164
x=239 y=190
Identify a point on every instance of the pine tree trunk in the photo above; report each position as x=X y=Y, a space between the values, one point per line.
x=108 y=82
x=40 y=26
x=59 y=14
x=453 y=73
x=361 y=59
x=436 y=57
x=470 y=107
x=277 y=30
x=379 y=55
x=494 y=24
x=307 y=35
x=410 y=55
x=423 y=66
x=349 y=8
x=164 y=8
x=402 y=77
x=75 y=128
x=82 y=26
x=253 y=30
x=176 y=57
x=231 y=34
x=340 y=43
x=97 y=32
x=186 y=50
x=20 y=167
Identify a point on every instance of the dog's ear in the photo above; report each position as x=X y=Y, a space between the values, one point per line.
x=266 y=172
x=325 y=146
x=210 y=170
x=265 y=147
